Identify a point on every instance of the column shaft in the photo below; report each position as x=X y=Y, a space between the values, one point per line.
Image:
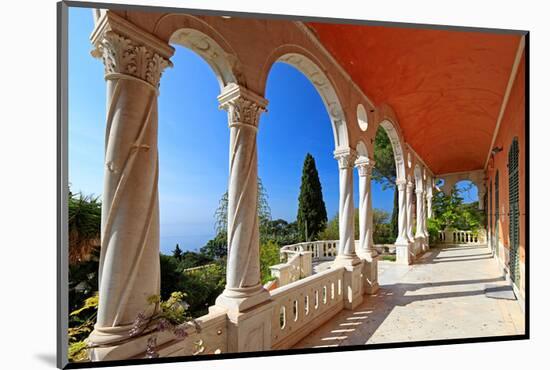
x=129 y=271
x=243 y=258
x=402 y=217
x=419 y=214
x=346 y=247
x=410 y=235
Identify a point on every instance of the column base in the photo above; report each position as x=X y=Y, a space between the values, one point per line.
x=353 y=283
x=404 y=253
x=370 y=272
x=242 y=299
x=118 y=345
x=250 y=330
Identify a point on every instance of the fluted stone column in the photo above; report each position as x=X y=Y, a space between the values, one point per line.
x=129 y=270
x=410 y=187
x=346 y=247
x=429 y=197
x=243 y=288
x=402 y=245
x=366 y=245
x=425 y=219
x=419 y=213
x=244 y=299
x=347 y=257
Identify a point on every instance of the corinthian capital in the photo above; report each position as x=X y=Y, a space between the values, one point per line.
x=345 y=157
x=364 y=166
x=243 y=106
x=127 y=50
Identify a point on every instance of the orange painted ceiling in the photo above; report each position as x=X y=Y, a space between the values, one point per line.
x=446 y=87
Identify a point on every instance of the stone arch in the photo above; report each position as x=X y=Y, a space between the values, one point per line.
x=398 y=153
x=304 y=62
x=210 y=51
x=362 y=151
x=386 y=118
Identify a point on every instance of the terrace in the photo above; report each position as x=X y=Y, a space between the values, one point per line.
x=449 y=106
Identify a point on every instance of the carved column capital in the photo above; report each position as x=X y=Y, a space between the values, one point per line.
x=401 y=184
x=346 y=157
x=410 y=186
x=128 y=51
x=242 y=105
x=364 y=166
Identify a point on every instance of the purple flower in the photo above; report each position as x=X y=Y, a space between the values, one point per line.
x=163 y=325
x=151 y=352
x=180 y=332
x=137 y=326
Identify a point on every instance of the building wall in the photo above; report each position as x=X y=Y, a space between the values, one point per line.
x=512 y=125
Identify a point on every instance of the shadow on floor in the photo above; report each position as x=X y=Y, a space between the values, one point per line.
x=363 y=322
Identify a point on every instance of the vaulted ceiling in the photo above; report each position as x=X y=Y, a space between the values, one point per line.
x=445 y=86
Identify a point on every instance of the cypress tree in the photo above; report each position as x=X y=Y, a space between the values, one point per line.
x=394 y=215
x=177 y=252
x=312 y=214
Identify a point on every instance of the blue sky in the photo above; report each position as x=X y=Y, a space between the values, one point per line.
x=194 y=140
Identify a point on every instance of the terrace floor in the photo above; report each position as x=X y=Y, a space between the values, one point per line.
x=450 y=292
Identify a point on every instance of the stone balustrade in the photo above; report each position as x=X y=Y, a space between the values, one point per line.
x=462 y=237
x=302 y=306
x=298 y=265
x=321 y=250
x=209 y=338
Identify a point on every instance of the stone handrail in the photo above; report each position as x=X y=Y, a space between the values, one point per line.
x=321 y=249
x=297 y=266
x=302 y=306
x=209 y=338
x=462 y=237
x=192 y=270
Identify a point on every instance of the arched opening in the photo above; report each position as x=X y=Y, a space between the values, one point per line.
x=193 y=142
x=296 y=142
x=389 y=167
x=457 y=208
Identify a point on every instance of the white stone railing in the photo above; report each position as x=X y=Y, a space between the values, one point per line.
x=462 y=237
x=302 y=306
x=209 y=338
x=298 y=265
x=194 y=270
x=321 y=249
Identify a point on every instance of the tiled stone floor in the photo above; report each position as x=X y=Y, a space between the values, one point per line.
x=441 y=296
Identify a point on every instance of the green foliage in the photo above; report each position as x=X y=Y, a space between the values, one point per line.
x=216 y=249
x=450 y=211
x=433 y=226
x=384 y=172
x=394 y=226
x=84 y=226
x=312 y=214
x=281 y=232
x=331 y=231
x=269 y=256
x=263 y=210
x=177 y=252
x=78 y=351
x=380 y=223
x=201 y=287
x=81 y=324
x=382 y=229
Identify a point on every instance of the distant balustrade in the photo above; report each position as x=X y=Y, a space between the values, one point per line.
x=462 y=237
x=321 y=250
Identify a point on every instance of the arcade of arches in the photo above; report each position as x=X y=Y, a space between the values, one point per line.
x=453 y=108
